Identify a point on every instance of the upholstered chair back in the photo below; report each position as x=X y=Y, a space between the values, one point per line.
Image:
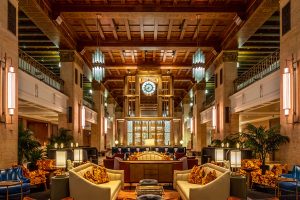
x=184 y=163
x=14 y=173
x=296 y=172
x=117 y=161
x=150 y=155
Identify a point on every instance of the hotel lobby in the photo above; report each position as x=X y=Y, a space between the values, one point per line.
x=149 y=99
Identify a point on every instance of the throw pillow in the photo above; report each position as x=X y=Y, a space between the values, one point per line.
x=196 y=175
x=209 y=177
x=97 y=176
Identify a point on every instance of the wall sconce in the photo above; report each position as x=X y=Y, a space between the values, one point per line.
x=105 y=125
x=116 y=142
x=286 y=86
x=11 y=90
x=214 y=117
x=82 y=117
x=181 y=142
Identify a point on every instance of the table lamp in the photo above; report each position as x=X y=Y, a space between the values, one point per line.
x=61 y=160
x=235 y=159
x=78 y=155
x=219 y=155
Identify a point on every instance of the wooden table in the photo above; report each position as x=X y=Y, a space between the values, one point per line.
x=131 y=195
x=283 y=179
x=8 y=184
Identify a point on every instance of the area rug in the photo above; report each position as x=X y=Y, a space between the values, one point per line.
x=131 y=195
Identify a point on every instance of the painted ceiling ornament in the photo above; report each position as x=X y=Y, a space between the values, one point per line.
x=148 y=88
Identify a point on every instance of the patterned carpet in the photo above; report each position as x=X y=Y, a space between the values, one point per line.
x=131 y=195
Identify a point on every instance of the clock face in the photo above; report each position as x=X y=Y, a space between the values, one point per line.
x=148 y=88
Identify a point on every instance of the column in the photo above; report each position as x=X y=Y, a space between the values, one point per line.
x=71 y=72
x=97 y=133
x=225 y=74
x=289 y=47
x=110 y=120
x=8 y=124
x=199 y=130
x=186 y=134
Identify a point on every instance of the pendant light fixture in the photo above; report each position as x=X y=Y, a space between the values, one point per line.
x=98 y=59
x=198 y=61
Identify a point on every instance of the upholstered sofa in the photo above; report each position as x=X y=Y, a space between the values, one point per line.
x=217 y=189
x=82 y=189
x=269 y=178
x=291 y=186
x=14 y=174
x=149 y=155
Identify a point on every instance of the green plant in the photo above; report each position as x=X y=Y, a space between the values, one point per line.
x=64 y=136
x=232 y=140
x=216 y=143
x=26 y=144
x=263 y=141
x=35 y=155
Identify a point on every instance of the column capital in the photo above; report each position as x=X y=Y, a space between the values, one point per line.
x=71 y=56
x=226 y=56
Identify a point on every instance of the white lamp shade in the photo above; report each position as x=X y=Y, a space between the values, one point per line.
x=11 y=90
x=286 y=87
x=214 y=117
x=78 y=155
x=83 y=117
x=149 y=142
x=61 y=159
x=235 y=158
x=219 y=155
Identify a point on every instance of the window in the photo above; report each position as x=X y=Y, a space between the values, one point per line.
x=216 y=80
x=11 y=18
x=81 y=80
x=221 y=76
x=76 y=76
x=286 y=18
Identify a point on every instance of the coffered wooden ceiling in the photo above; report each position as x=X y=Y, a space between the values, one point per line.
x=143 y=34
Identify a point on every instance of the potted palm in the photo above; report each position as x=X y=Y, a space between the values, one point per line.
x=26 y=144
x=263 y=141
x=64 y=136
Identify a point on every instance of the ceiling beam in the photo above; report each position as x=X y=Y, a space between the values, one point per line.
x=132 y=56
x=142 y=28
x=100 y=29
x=153 y=56
x=122 y=56
x=127 y=8
x=157 y=2
x=111 y=56
x=170 y=29
x=114 y=30
x=197 y=30
x=150 y=45
x=183 y=26
x=186 y=56
x=86 y=30
x=165 y=56
x=211 y=30
x=127 y=29
x=155 y=28
x=135 y=67
x=143 y=56
x=174 y=57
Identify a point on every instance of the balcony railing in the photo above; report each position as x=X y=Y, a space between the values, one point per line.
x=258 y=71
x=39 y=71
x=210 y=101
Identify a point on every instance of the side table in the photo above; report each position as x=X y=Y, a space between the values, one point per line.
x=8 y=184
x=59 y=187
x=283 y=179
x=238 y=186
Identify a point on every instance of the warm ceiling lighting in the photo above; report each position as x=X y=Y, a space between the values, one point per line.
x=286 y=87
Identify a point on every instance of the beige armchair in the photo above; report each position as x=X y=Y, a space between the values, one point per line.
x=218 y=189
x=82 y=189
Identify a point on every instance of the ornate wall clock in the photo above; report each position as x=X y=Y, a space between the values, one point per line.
x=148 y=87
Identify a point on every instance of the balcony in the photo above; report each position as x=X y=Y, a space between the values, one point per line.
x=37 y=70
x=267 y=66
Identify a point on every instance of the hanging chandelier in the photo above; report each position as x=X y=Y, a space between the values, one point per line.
x=198 y=66
x=198 y=62
x=98 y=59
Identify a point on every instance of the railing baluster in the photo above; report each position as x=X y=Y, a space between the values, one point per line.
x=258 y=71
